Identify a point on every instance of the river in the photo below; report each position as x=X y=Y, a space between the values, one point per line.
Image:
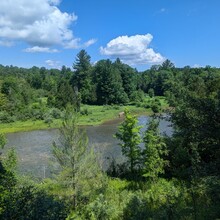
x=34 y=147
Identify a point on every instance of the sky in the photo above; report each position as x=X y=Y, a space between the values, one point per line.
x=142 y=33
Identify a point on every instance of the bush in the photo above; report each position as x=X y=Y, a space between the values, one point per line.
x=55 y=113
x=137 y=96
x=138 y=104
x=27 y=202
x=38 y=114
x=155 y=108
x=48 y=120
x=6 y=118
x=98 y=209
x=147 y=104
x=84 y=111
x=151 y=93
x=162 y=200
x=156 y=105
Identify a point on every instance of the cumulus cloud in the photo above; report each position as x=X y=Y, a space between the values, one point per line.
x=76 y=43
x=37 y=49
x=53 y=63
x=133 y=50
x=36 y=22
x=73 y=44
x=6 y=43
x=55 y=2
x=90 y=42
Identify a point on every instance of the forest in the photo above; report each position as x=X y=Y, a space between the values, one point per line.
x=163 y=177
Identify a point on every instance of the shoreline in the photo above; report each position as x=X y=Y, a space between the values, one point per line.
x=109 y=117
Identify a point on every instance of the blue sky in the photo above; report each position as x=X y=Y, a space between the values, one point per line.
x=140 y=32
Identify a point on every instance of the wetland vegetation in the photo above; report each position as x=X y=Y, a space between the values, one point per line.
x=162 y=177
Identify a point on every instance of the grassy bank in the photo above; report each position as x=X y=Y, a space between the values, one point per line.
x=90 y=115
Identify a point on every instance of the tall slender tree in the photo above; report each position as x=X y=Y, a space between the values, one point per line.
x=154 y=151
x=82 y=78
x=129 y=135
x=80 y=173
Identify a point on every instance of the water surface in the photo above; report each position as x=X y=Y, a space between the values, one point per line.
x=34 y=147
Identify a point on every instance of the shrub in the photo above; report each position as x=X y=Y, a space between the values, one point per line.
x=84 y=111
x=155 y=108
x=6 y=118
x=55 y=113
x=151 y=93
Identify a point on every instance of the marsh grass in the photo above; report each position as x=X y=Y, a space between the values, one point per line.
x=92 y=115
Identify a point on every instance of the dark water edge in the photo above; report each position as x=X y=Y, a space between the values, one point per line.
x=34 y=147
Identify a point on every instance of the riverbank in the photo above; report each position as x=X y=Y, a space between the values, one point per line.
x=94 y=115
x=90 y=115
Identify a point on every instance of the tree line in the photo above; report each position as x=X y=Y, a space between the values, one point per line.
x=163 y=177
x=42 y=94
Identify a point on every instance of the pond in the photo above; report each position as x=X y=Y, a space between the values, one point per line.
x=34 y=148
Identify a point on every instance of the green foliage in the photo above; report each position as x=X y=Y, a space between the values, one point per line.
x=80 y=173
x=161 y=200
x=193 y=156
x=3 y=101
x=82 y=77
x=85 y=111
x=2 y=140
x=155 y=108
x=109 y=88
x=128 y=133
x=154 y=151
x=151 y=93
x=10 y=160
x=137 y=96
x=66 y=96
x=27 y=202
x=48 y=120
x=167 y=64
x=99 y=209
x=196 y=142
x=129 y=78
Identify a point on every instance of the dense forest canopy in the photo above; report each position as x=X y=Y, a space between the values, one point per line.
x=163 y=177
x=39 y=93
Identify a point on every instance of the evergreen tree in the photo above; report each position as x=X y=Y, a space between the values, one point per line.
x=66 y=96
x=82 y=78
x=128 y=134
x=80 y=174
x=109 y=84
x=154 y=151
x=128 y=76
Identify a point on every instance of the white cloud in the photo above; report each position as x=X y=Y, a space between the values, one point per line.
x=53 y=63
x=73 y=44
x=133 y=50
x=90 y=42
x=55 y=2
x=196 y=66
x=36 y=22
x=6 y=43
x=37 y=49
x=76 y=43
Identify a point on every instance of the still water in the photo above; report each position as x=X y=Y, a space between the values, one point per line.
x=34 y=147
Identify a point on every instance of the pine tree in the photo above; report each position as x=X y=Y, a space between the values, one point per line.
x=82 y=79
x=80 y=173
x=129 y=135
x=155 y=149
